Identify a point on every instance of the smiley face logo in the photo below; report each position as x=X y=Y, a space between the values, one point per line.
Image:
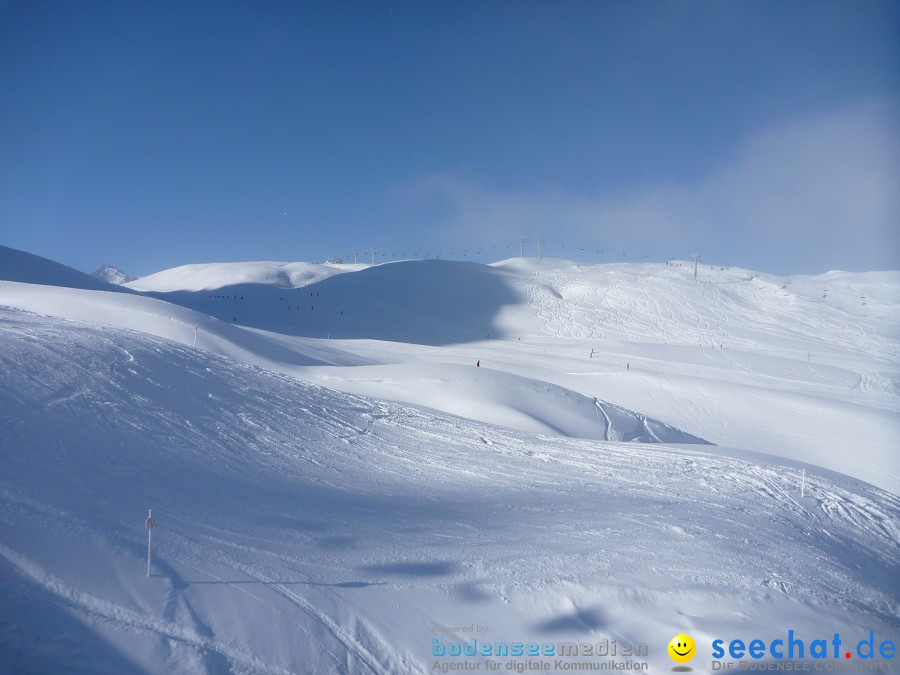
x=682 y=648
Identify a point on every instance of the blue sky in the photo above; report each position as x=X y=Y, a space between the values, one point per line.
x=154 y=134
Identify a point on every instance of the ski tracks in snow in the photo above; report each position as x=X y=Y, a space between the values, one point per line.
x=584 y=303
x=99 y=612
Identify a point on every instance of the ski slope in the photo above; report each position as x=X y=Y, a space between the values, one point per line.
x=305 y=530
x=739 y=358
x=331 y=485
x=490 y=396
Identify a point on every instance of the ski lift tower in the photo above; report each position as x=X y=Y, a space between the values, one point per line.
x=696 y=257
x=522 y=241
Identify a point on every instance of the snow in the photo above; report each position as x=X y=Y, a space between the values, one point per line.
x=458 y=301
x=203 y=277
x=112 y=275
x=325 y=505
x=500 y=398
x=31 y=269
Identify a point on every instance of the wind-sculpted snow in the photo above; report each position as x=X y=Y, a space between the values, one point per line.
x=301 y=529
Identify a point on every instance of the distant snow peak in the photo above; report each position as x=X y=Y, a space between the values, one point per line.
x=112 y=275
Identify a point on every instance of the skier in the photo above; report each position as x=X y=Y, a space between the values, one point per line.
x=478 y=363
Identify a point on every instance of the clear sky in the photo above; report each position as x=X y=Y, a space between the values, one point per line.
x=152 y=134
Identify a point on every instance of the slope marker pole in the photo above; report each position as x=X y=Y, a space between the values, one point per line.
x=151 y=521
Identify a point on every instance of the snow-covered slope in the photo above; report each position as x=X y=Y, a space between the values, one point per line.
x=166 y=320
x=305 y=530
x=28 y=268
x=738 y=359
x=494 y=397
x=211 y=276
x=838 y=313
x=423 y=302
x=466 y=462
x=501 y=398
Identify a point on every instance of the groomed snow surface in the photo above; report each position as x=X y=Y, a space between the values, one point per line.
x=334 y=479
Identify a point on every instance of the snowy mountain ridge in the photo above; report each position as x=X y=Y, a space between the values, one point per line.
x=112 y=275
x=212 y=276
x=327 y=494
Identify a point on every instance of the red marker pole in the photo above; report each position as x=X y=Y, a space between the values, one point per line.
x=151 y=521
